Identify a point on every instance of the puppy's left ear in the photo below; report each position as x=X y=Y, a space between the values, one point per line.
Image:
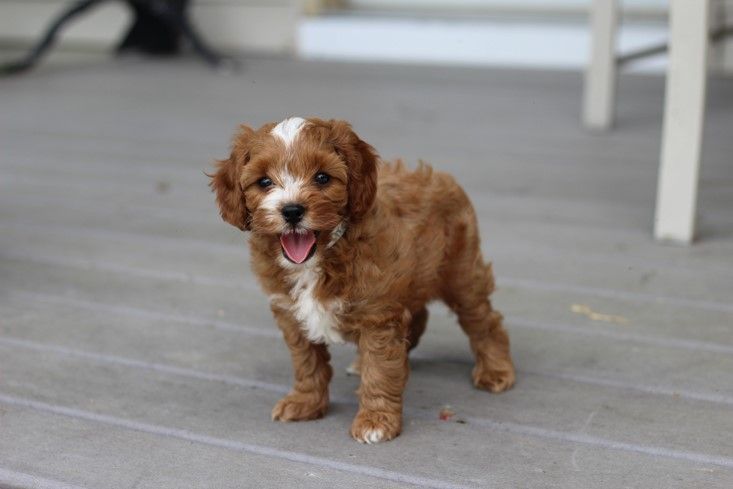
x=225 y=182
x=361 y=160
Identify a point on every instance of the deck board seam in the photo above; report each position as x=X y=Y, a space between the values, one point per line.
x=12 y=478
x=238 y=446
x=283 y=389
x=503 y=281
x=673 y=343
x=507 y=427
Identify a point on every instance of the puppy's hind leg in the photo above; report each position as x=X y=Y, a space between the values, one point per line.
x=467 y=294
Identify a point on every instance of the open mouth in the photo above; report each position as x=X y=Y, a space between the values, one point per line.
x=298 y=246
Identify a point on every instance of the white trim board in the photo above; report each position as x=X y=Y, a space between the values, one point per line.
x=465 y=42
x=643 y=8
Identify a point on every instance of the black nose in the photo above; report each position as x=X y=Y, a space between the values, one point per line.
x=293 y=213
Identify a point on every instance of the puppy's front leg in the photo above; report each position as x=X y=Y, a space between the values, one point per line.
x=309 y=396
x=384 y=371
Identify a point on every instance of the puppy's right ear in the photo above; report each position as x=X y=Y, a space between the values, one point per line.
x=226 y=181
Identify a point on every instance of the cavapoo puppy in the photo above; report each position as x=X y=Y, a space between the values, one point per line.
x=350 y=248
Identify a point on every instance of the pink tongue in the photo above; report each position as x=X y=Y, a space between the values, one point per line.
x=297 y=246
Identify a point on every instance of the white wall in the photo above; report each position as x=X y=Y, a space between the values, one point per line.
x=242 y=25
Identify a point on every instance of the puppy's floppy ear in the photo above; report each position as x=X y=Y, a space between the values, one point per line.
x=225 y=182
x=361 y=160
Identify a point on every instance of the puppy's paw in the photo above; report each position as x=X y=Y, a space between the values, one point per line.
x=494 y=379
x=300 y=407
x=374 y=427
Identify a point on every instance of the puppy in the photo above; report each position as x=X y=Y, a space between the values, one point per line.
x=349 y=248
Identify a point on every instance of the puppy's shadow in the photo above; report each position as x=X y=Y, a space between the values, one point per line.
x=426 y=360
x=442 y=366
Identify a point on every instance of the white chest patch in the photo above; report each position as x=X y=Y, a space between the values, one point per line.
x=318 y=319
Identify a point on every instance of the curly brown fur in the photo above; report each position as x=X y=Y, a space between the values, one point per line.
x=409 y=237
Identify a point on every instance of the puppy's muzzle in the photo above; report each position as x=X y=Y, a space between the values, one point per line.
x=293 y=213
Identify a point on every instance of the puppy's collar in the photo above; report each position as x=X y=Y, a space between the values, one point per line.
x=336 y=234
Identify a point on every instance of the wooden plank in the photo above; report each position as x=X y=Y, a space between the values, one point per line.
x=44 y=443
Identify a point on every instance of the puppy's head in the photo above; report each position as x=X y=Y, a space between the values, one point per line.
x=297 y=182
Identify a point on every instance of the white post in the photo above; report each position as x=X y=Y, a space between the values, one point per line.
x=600 y=75
x=684 y=113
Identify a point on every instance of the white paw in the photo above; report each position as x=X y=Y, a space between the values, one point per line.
x=372 y=436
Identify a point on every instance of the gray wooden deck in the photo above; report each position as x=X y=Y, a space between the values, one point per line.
x=136 y=350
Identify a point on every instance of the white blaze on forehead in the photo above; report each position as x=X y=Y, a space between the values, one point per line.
x=288 y=129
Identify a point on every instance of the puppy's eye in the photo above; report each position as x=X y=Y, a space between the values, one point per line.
x=264 y=182
x=322 y=178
